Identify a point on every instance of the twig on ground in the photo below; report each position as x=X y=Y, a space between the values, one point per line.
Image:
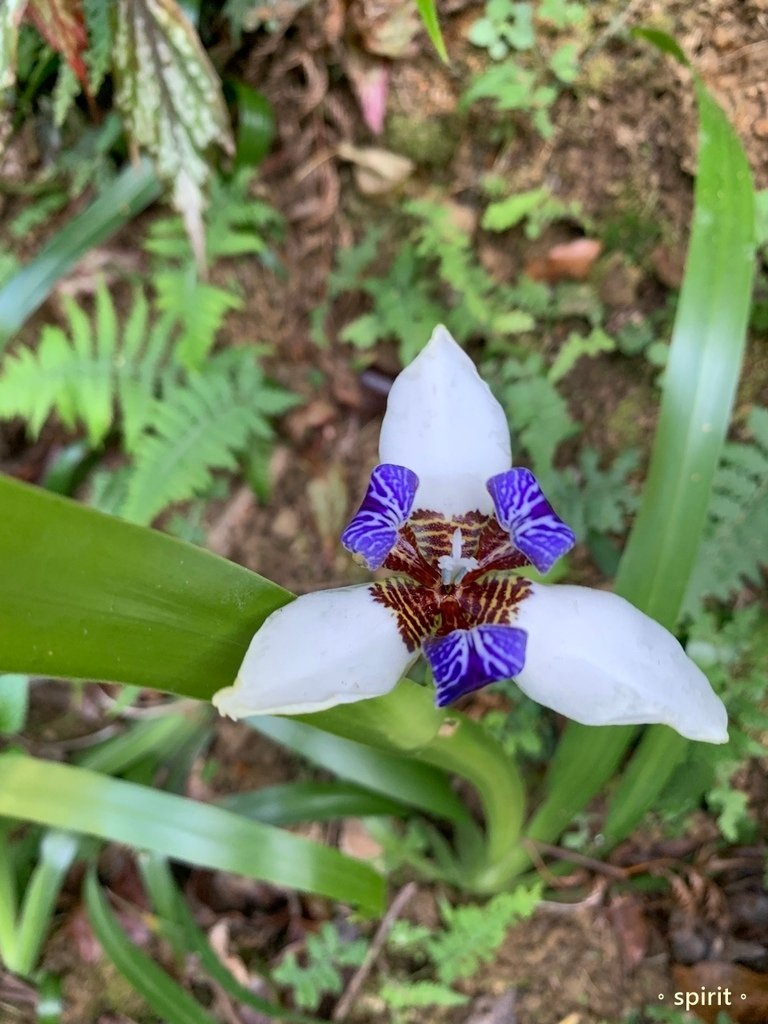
x=360 y=976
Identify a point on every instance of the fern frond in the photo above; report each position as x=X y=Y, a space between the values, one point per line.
x=200 y=425
x=735 y=544
x=70 y=375
x=236 y=224
x=198 y=308
x=83 y=373
x=98 y=56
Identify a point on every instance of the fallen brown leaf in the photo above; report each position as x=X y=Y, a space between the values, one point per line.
x=713 y=981
x=377 y=171
x=631 y=927
x=570 y=261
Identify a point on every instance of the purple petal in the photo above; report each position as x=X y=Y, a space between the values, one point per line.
x=372 y=532
x=467 y=659
x=533 y=525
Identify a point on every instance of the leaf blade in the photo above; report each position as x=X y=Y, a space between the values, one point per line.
x=64 y=796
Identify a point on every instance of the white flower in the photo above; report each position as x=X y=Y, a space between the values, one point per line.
x=449 y=516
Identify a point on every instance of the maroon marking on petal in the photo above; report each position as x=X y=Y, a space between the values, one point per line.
x=415 y=608
x=495 y=552
x=493 y=600
x=433 y=533
x=406 y=558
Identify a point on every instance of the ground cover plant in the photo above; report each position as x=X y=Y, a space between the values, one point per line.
x=217 y=372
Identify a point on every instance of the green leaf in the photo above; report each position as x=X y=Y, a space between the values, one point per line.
x=255 y=125
x=506 y=213
x=57 y=851
x=131 y=192
x=171 y=99
x=735 y=543
x=160 y=736
x=699 y=387
x=577 y=345
x=183 y=932
x=417 y=995
x=14 y=699
x=65 y=92
x=428 y=12
x=414 y=784
x=98 y=56
x=564 y=62
x=86 y=596
x=10 y=17
x=295 y=802
x=165 y=996
x=61 y=796
x=199 y=309
x=325 y=953
x=200 y=424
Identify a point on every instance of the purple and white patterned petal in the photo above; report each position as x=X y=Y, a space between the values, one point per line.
x=534 y=526
x=467 y=659
x=372 y=531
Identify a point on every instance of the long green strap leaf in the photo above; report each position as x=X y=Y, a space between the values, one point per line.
x=408 y=781
x=57 y=851
x=130 y=193
x=88 y=596
x=165 y=996
x=699 y=386
x=185 y=935
x=295 y=802
x=83 y=801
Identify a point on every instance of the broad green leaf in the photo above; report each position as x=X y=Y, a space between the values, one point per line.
x=131 y=192
x=87 y=596
x=166 y=997
x=699 y=386
x=63 y=796
x=171 y=99
x=255 y=125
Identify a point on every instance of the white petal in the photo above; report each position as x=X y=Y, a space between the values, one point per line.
x=594 y=657
x=327 y=648
x=443 y=423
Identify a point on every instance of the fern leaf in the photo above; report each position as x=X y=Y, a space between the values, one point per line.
x=735 y=544
x=198 y=308
x=71 y=376
x=199 y=425
x=98 y=56
x=140 y=369
x=235 y=224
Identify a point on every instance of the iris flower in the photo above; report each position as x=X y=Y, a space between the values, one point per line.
x=454 y=523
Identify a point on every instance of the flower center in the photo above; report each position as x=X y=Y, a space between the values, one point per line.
x=453 y=567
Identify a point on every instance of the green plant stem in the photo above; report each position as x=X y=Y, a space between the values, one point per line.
x=463 y=748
